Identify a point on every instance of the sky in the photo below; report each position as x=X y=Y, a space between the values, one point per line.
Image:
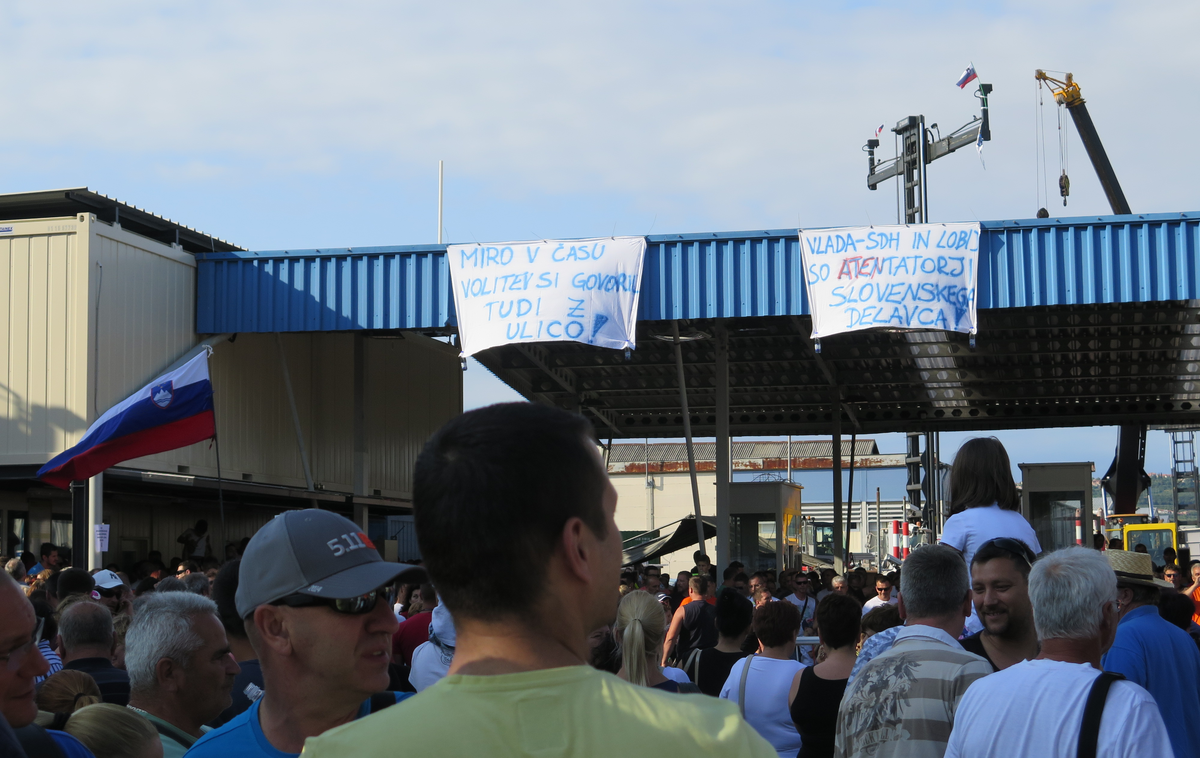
x=302 y=124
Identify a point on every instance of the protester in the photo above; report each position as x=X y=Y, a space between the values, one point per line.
x=709 y=667
x=414 y=632
x=1178 y=609
x=185 y=568
x=518 y=683
x=49 y=634
x=311 y=592
x=883 y=596
x=248 y=684
x=802 y=599
x=880 y=628
x=604 y=654
x=170 y=584
x=1193 y=590
x=49 y=559
x=198 y=584
x=16 y=569
x=984 y=503
x=431 y=660
x=759 y=684
x=838 y=585
x=902 y=703
x=1152 y=652
x=196 y=544
x=1035 y=708
x=23 y=663
x=817 y=690
x=1000 y=591
x=74 y=581
x=638 y=631
x=693 y=626
x=110 y=731
x=113 y=593
x=1173 y=576
x=86 y=631
x=67 y=692
x=704 y=566
x=180 y=667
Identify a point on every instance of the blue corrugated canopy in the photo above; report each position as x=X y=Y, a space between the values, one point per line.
x=1082 y=321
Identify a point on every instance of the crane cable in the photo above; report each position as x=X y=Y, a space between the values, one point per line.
x=1064 y=182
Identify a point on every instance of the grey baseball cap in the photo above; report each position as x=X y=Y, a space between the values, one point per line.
x=312 y=552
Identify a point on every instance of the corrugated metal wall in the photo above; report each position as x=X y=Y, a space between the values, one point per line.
x=146 y=314
x=43 y=338
x=414 y=386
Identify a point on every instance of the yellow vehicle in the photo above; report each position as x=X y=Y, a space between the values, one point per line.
x=1133 y=530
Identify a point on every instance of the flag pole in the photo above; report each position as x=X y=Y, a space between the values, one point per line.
x=220 y=492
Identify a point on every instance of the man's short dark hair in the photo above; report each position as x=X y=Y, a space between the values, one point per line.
x=170 y=584
x=734 y=613
x=46 y=550
x=776 y=623
x=935 y=582
x=698 y=584
x=74 y=581
x=838 y=618
x=492 y=491
x=1142 y=593
x=187 y=566
x=224 y=589
x=991 y=551
x=700 y=556
x=729 y=573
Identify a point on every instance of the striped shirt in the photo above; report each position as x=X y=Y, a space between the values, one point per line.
x=903 y=702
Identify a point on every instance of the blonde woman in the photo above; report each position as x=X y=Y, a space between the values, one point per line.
x=639 y=631
x=111 y=731
x=62 y=694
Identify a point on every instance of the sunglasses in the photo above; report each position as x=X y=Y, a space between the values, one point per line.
x=352 y=606
x=114 y=592
x=1016 y=547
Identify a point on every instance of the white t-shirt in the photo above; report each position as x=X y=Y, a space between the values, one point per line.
x=767 y=690
x=807 y=608
x=1035 y=709
x=676 y=675
x=966 y=531
x=429 y=665
x=875 y=602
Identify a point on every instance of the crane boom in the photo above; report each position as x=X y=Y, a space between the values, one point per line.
x=1067 y=93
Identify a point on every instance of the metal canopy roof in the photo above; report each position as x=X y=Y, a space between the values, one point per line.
x=1083 y=321
x=68 y=202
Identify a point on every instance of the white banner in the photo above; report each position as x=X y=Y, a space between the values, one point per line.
x=898 y=277
x=579 y=290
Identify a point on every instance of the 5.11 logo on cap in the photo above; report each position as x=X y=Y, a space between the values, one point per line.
x=355 y=541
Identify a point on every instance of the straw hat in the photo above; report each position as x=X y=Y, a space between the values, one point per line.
x=1134 y=568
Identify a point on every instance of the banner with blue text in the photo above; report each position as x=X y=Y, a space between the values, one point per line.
x=921 y=276
x=577 y=290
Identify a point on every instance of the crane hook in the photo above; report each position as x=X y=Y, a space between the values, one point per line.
x=1064 y=186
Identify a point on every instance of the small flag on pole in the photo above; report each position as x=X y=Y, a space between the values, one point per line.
x=979 y=149
x=170 y=412
x=879 y=131
x=968 y=76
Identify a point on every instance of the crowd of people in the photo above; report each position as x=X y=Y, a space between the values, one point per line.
x=523 y=634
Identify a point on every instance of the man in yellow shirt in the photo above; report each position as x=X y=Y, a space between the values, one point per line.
x=520 y=490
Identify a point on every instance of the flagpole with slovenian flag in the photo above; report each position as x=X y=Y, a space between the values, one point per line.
x=172 y=411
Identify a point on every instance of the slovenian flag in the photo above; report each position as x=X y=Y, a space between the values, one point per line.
x=968 y=76
x=879 y=131
x=170 y=412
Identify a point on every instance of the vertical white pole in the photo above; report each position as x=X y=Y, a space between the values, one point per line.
x=95 y=559
x=440 y=183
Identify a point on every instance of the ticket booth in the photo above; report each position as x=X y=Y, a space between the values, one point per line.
x=764 y=525
x=1056 y=498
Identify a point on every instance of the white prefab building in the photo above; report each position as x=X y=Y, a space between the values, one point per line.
x=100 y=298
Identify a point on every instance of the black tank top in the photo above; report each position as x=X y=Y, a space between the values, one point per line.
x=815 y=711
x=699 y=628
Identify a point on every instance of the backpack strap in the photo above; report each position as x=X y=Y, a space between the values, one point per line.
x=742 y=685
x=1089 y=732
x=692 y=667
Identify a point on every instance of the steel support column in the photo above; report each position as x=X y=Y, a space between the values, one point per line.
x=724 y=453
x=687 y=434
x=839 y=560
x=80 y=548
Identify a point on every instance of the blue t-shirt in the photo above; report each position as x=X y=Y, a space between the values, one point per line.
x=1153 y=652
x=242 y=736
x=71 y=747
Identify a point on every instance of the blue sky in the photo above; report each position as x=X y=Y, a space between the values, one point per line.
x=304 y=124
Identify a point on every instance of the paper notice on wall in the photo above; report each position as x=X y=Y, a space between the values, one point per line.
x=921 y=276
x=580 y=290
x=102 y=538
